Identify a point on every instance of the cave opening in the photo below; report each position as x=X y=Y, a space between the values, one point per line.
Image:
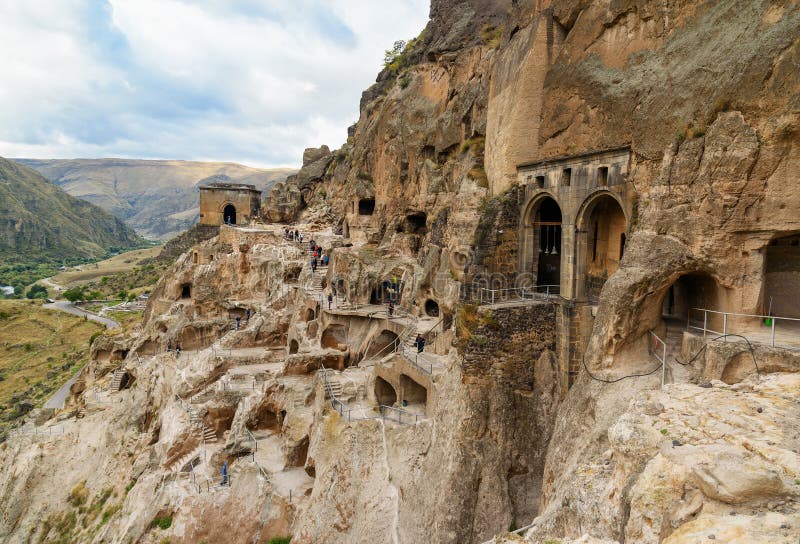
x=384 y=392
x=366 y=206
x=431 y=308
x=413 y=393
x=781 y=289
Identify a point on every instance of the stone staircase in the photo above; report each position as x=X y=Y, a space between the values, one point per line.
x=335 y=388
x=116 y=380
x=299 y=399
x=206 y=434
x=80 y=413
x=315 y=288
x=183 y=463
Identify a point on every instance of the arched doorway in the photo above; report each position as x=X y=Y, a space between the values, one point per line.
x=603 y=225
x=229 y=214
x=384 y=392
x=543 y=241
x=693 y=290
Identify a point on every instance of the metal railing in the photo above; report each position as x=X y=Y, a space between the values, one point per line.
x=346 y=412
x=707 y=321
x=418 y=359
x=658 y=349
x=387 y=411
x=494 y=296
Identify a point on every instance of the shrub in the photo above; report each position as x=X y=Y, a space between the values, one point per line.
x=94 y=337
x=491 y=35
x=479 y=175
x=393 y=58
x=37 y=291
x=78 y=494
x=74 y=294
x=162 y=523
x=280 y=540
x=476 y=143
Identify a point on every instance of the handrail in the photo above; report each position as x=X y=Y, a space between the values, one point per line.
x=342 y=409
x=726 y=330
x=522 y=293
x=654 y=347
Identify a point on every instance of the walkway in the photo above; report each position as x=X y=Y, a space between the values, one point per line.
x=70 y=309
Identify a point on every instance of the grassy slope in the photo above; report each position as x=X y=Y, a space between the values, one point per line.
x=39 y=350
x=42 y=227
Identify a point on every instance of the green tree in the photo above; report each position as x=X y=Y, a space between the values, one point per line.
x=37 y=291
x=392 y=58
x=74 y=294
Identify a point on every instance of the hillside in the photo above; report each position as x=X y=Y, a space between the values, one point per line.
x=157 y=198
x=30 y=371
x=42 y=225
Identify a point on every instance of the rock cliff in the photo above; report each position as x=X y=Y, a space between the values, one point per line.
x=539 y=410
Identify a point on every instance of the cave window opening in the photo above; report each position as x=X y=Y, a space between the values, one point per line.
x=195 y=257
x=781 y=284
x=366 y=206
x=380 y=344
x=414 y=223
x=310 y=314
x=294 y=347
x=566 y=177
x=602 y=176
x=186 y=290
x=622 y=240
x=540 y=182
x=413 y=393
x=385 y=394
x=210 y=257
x=431 y=308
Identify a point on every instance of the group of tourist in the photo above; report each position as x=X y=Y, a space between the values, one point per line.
x=292 y=235
x=317 y=258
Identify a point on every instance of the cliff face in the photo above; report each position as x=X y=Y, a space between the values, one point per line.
x=425 y=194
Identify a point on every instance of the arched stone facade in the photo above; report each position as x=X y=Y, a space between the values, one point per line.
x=592 y=195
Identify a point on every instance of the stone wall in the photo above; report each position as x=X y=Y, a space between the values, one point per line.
x=509 y=342
x=213 y=200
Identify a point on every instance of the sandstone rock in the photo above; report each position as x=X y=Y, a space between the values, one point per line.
x=732 y=479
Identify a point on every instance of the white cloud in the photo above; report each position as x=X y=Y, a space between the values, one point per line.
x=243 y=80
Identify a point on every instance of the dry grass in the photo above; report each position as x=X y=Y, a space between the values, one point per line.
x=39 y=350
x=124 y=262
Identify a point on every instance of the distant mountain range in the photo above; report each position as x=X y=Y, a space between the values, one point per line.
x=41 y=223
x=158 y=198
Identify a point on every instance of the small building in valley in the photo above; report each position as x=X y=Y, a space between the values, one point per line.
x=223 y=203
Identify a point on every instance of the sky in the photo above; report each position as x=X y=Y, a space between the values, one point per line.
x=249 y=81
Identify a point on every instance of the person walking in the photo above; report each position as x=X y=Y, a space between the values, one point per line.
x=178 y=350
x=420 y=343
x=391 y=308
x=325 y=260
x=238 y=321
x=330 y=299
x=224 y=473
x=247 y=315
x=314 y=264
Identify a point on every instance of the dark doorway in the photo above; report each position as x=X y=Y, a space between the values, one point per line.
x=547 y=224
x=431 y=308
x=384 y=392
x=229 y=214
x=782 y=277
x=413 y=393
x=293 y=347
x=366 y=206
x=186 y=290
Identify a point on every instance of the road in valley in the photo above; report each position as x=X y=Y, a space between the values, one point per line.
x=69 y=308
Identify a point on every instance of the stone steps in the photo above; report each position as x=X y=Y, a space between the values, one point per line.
x=116 y=380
